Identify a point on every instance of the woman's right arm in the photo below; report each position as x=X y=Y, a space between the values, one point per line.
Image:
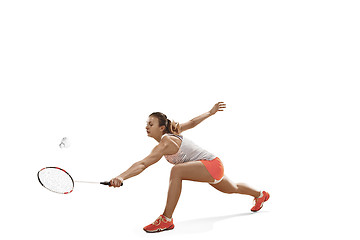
x=140 y=166
x=165 y=147
x=195 y=121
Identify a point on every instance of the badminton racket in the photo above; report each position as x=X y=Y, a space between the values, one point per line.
x=59 y=181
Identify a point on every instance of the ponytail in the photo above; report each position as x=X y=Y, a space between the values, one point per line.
x=173 y=127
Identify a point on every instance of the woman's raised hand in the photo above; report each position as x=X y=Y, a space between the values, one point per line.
x=217 y=107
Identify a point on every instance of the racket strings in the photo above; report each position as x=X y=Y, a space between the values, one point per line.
x=56 y=180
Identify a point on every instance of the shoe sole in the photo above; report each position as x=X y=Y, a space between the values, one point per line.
x=160 y=229
x=266 y=198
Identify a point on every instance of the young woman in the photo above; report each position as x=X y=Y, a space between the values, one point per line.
x=190 y=163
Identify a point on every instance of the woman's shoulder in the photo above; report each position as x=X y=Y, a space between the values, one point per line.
x=170 y=143
x=169 y=135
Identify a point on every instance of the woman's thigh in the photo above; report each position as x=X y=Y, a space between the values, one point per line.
x=192 y=171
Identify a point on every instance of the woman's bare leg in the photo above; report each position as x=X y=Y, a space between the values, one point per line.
x=227 y=186
x=196 y=171
x=193 y=171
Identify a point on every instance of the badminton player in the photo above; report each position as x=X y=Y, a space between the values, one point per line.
x=190 y=163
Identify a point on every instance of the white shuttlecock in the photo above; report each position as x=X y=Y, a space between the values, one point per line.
x=64 y=143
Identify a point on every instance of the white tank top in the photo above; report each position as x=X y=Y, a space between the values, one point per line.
x=188 y=151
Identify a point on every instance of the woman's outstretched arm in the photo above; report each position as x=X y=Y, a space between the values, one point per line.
x=195 y=121
x=163 y=148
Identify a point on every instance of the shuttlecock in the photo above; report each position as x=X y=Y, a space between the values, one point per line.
x=64 y=143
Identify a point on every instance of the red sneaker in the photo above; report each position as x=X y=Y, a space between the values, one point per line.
x=259 y=202
x=160 y=224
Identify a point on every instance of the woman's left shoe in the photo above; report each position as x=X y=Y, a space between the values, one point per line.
x=259 y=202
x=160 y=224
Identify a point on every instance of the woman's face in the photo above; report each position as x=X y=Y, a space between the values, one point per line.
x=153 y=129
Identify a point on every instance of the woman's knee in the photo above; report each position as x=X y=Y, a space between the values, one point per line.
x=241 y=188
x=226 y=186
x=175 y=172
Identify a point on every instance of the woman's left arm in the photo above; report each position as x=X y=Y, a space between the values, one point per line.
x=140 y=166
x=195 y=121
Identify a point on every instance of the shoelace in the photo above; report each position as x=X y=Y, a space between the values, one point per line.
x=157 y=221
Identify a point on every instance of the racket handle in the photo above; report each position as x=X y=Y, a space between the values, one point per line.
x=108 y=183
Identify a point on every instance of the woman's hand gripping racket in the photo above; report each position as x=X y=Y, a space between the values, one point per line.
x=116 y=182
x=59 y=181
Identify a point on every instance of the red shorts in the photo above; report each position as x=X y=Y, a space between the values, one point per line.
x=215 y=168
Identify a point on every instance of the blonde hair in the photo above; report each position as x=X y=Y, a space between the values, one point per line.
x=170 y=126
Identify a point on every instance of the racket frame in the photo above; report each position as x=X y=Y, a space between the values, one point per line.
x=72 y=180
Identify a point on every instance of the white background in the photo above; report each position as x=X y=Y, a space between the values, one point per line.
x=93 y=71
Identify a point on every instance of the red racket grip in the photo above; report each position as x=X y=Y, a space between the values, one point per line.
x=108 y=183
